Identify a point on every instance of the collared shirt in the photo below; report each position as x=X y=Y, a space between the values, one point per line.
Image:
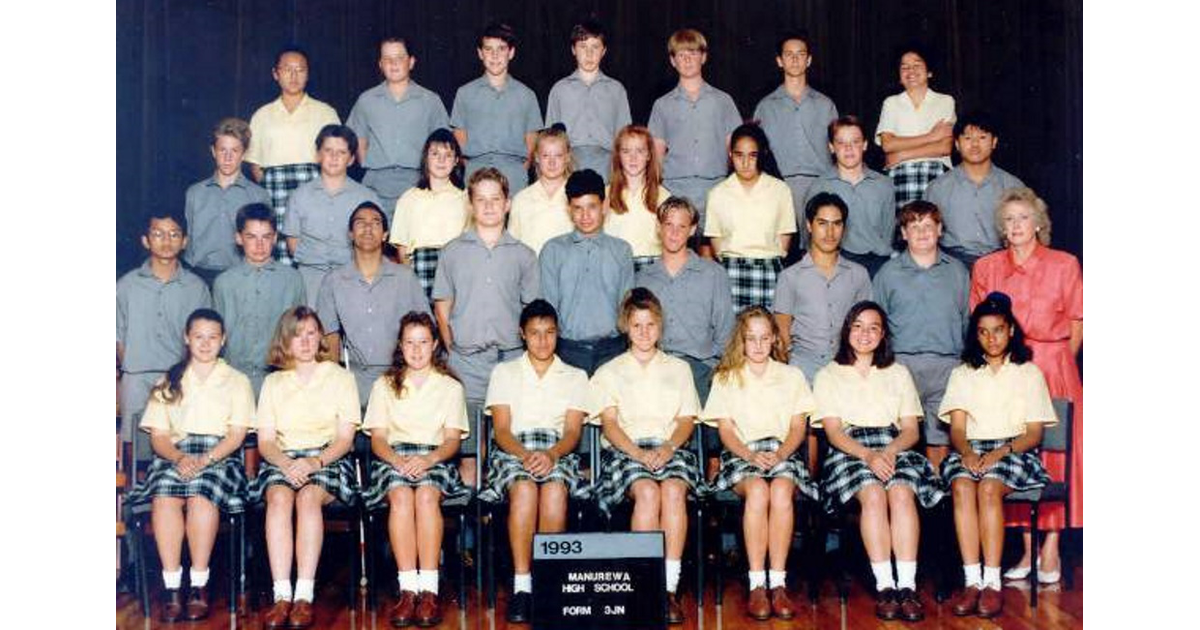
x=647 y=398
x=395 y=130
x=697 y=306
x=537 y=402
x=489 y=287
x=638 y=226
x=251 y=299
x=695 y=131
x=151 y=315
x=1046 y=290
x=279 y=137
x=818 y=305
x=927 y=308
x=900 y=117
x=211 y=213
x=496 y=120
x=760 y=406
x=593 y=112
x=872 y=204
x=998 y=403
x=420 y=415
x=585 y=278
x=798 y=130
x=969 y=210
x=321 y=221
x=307 y=415
x=429 y=218
x=208 y=407
x=878 y=399
x=538 y=216
x=749 y=222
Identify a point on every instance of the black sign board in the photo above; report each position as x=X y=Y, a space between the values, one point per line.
x=599 y=581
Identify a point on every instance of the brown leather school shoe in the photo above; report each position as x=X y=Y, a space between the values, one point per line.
x=674 y=609
x=781 y=604
x=429 y=611
x=991 y=602
x=886 y=605
x=404 y=609
x=172 y=608
x=758 y=604
x=911 y=608
x=967 y=603
x=197 y=604
x=277 y=616
x=301 y=615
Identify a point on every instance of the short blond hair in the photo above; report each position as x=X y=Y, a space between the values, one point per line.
x=1041 y=212
x=686 y=39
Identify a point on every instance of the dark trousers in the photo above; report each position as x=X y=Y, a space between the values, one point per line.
x=590 y=355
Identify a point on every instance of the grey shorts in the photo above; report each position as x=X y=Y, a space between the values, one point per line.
x=930 y=373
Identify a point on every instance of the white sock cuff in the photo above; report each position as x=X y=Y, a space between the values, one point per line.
x=973 y=574
x=173 y=579
x=407 y=580
x=282 y=590
x=198 y=577
x=673 y=569
x=906 y=574
x=758 y=579
x=304 y=590
x=428 y=580
x=991 y=577
x=883 y=575
x=777 y=578
x=522 y=583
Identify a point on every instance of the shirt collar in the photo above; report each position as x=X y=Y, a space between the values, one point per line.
x=146 y=271
x=679 y=92
x=578 y=76
x=472 y=236
x=239 y=180
x=907 y=261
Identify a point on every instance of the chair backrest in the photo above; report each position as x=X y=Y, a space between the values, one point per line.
x=1057 y=437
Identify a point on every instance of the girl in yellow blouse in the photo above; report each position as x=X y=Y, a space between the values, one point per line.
x=197 y=417
x=539 y=212
x=417 y=416
x=760 y=406
x=634 y=194
x=869 y=407
x=647 y=405
x=307 y=414
x=996 y=403
x=433 y=212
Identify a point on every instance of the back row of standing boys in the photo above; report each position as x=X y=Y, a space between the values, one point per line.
x=614 y=206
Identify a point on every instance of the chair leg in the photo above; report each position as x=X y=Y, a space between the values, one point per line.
x=372 y=534
x=489 y=532
x=242 y=603
x=1068 y=560
x=1034 y=552
x=698 y=527
x=140 y=568
x=462 y=564
x=719 y=581
x=232 y=568
x=809 y=552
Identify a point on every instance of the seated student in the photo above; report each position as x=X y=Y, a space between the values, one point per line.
x=584 y=274
x=434 y=211
x=416 y=417
x=750 y=219
x=647 y=407
x=197 y=418
x=307 y=414
x=211 y=205
x=537 y=403
x=591 y=104
x=539 y=212
x=869 y=408
x=634 y=191
x=760 y=405
x=996 y=403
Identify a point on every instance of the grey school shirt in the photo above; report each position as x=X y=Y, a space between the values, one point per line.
x=489 y=287
x=872 y=204
x=695 y=131
x=969 y=210
x=927 y=308
x=367 y=314
x=496 y=120
x=593 y=113
x=322 y=221
x=585 y=278
x=211 y=213
x=396 y=130
x=798 y=130
x=697 y=306
x=818 y=305
x=152 y=314
x=252 y=299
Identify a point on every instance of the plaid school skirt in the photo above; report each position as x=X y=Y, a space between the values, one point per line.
x=641 y=262
x=222 y=483
x=752 y=280
x=338 y=478
x=1019 y=471
x=618 y=471
x=734 y=469
x=504 y=468
x=280 y=181
x=442 y=475
x=844 y=475
x=424 y=262
x=911 y=178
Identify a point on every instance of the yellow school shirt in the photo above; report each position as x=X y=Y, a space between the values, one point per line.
x=749 y=223
x=428 y=218
x=879 y=399
x=533 y=402
x=208 y=407
x=418 y=416
x=279 y=137
x=998 y=404
x=638 y=226
x=647 y=398
x=307 y=415
x=761 y=406
x=537 y=217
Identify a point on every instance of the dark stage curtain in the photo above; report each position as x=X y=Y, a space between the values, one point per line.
x=182 y=65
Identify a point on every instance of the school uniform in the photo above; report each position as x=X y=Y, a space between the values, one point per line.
x=424 y=222
x=969 y=211
x=818 y=305
x=211 y=213
x=251 y=299
x=496 y=121
x=537 y=216
x=901 y=117
x=871 y=220
x=320 y=221
x=749 y=224
x=593 y=113
x=638 y=225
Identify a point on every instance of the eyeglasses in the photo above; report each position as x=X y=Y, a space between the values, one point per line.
x=160 y=235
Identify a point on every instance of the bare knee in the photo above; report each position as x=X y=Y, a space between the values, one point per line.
x=901 y=497
x=645 y=494
x=873 y=499
x=756 y=493
x=309 y=500
x=782 y=492
x=552 y=498
x=280 y=499
x=674 y=493
x=400 y=499
x=991 y=492
x=963 y=492
x=428 y=500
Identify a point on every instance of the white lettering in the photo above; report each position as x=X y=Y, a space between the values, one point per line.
x=575 y=611
x=573 y=588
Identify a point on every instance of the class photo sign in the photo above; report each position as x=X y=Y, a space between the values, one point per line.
x=597 y=580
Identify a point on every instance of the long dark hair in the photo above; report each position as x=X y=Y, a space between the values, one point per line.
x=766 y=157
x=399 y=369
x=446 y=137
x=996 y=303
x=170 y=390
x=883 y=355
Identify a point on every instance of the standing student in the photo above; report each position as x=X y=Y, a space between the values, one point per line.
x=750 y=219
x=197 y=418
x=495 y=116
x=211 y=205
x=539 y=212
x=434 y=211
x=584 y=275
x=996 y=403
x=392 y=120
x=280 y=154
x=591 y=104
x=538 y=404
x=634 y=192
x=760 y=406
x=869 y=408
x=647 y=408
x=307 y=414
x=252 y=294
x=417 y=418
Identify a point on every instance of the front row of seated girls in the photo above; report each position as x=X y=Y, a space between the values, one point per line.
x=996 y=403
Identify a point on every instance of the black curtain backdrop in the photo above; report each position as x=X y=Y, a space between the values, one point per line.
x=183 y=65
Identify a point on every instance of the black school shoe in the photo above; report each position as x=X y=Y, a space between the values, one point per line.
x=518 y=608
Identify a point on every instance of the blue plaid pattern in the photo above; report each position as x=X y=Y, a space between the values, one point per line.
x=338 y=478
x=752 y=280
x=734 y=469
x=1019 y=471
x=911 y=178
x=618 y=471
x=641 y=262
x=504 y=469
x=222 y=483
x=442 y=475
x=280 y=181
x=844 y=475
x=424 y=262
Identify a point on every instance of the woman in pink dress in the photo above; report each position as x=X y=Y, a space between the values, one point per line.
x=1046 y=286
